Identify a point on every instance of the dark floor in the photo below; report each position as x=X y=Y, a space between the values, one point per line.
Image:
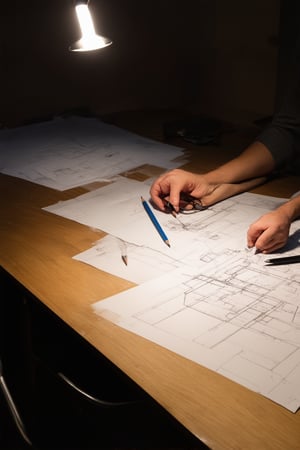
x=69 y=396
x=11 y=439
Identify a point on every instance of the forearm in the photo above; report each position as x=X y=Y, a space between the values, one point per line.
x=291 y=209
x=253 y=162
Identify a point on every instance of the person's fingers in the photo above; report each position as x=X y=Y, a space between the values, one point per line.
x=273 y=247
x=174 y=196
x=158 y=192
x=265 y=240
x=270 y=244
x=254 y=232
x=168 y=185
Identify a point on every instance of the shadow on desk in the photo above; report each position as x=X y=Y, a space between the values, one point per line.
x=69 y=396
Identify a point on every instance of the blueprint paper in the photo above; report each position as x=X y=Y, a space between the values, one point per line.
x=230 y=313
x=66 y=152
x=215 y=301
x=142 y=266
x=116 y=209
x=225 y=320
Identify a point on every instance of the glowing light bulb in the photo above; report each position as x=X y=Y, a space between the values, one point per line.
x=89 y=40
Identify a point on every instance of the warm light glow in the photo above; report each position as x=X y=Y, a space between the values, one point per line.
x=89 y=39
x=85 y=22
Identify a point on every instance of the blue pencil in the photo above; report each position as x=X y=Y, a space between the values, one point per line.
x=155 y=222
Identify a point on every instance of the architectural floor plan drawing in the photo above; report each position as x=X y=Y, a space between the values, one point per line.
x=72 y=151
x=210 y=298
x=229 y=315
x=224 y=307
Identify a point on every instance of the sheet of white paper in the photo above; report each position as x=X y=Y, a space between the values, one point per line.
x=218 y=304
x=143 y=263
x=66 y=152
x=117 y=210
x=230 y=313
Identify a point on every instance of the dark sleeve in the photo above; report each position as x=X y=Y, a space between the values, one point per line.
x=282 y=136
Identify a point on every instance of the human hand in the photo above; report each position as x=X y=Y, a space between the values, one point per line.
x=174 y=182
x=170 y=184
x=270 y=232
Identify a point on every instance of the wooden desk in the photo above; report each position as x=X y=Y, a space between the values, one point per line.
x=37 y=249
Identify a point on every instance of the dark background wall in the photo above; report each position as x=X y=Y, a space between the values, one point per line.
x=214 y=56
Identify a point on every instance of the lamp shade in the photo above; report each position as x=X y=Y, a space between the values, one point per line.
x=89 y=41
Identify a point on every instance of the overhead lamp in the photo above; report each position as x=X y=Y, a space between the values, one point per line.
x=89 y=40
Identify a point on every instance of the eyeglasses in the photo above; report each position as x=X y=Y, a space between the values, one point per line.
x=187 y=205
